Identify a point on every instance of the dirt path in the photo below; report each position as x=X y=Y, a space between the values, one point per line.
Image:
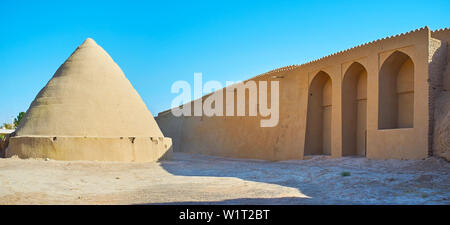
x=193 y=179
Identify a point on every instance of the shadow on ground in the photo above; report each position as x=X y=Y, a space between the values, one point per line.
x=280 y=173
x=345 y=180
x=260 y=201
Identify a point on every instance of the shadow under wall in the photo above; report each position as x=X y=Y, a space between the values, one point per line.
x=318 y=126
x=198 y=165
x=263 y=201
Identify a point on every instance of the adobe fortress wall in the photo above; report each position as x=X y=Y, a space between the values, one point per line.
x=373 y=100
x=440 y=103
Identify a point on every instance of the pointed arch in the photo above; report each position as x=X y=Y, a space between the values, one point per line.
x=396 y=92
x=354 y=110
x=318 y=127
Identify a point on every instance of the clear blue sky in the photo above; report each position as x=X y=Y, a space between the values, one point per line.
x=157 y=43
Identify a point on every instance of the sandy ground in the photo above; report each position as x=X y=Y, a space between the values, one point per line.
x=199 y=179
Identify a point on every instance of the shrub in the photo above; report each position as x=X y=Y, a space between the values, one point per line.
x=345 y=174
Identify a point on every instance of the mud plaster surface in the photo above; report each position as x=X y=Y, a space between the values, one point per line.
x=199 y=179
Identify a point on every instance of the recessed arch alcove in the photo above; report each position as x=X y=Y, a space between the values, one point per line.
x=396 y=92
x=318 y=127
x=354 y=110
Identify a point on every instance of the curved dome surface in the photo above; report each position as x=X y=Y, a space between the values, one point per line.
x=89 y=96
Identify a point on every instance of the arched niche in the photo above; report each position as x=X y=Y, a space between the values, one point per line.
x=396 y=92
x=354 y=110
x=318 y=127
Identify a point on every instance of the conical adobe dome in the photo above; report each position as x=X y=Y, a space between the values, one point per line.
x=89 y=96
x=89 y=111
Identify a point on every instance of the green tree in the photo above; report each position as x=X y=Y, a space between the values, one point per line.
x=7 y=126
x=18 y=119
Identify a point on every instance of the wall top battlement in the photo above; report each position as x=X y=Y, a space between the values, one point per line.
x=438 y=33
x=442 y=34
x=446 y=29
